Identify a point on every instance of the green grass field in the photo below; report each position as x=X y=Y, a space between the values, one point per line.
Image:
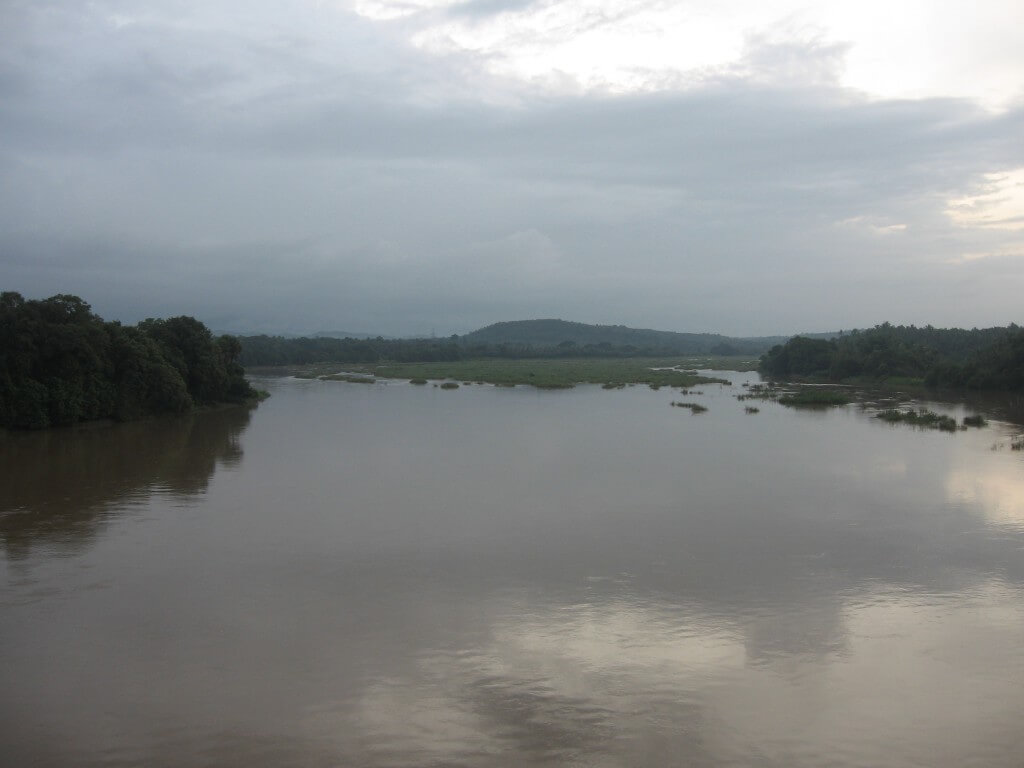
x=816 y=398
x=544 y=374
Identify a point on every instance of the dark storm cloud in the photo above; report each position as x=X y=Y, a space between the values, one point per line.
x=317 y=172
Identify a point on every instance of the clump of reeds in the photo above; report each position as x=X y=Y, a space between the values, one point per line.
x=694 y=407
x=920 y=418
x=815 y=397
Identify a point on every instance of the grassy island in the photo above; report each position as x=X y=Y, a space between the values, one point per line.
x=816 y=398
x=543 y=373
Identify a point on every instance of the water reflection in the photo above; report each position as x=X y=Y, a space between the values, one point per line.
x=58 y=486
x=632 y=682
x=1000 y=493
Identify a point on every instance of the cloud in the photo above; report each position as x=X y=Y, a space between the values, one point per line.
x=321 y=170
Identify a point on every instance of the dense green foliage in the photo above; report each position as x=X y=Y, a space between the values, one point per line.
x=61 y=364
x=278 y=350
x=991 y=358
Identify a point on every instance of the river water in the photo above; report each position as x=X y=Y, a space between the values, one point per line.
x=392 y=575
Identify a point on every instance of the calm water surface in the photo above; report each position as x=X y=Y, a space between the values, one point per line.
x=393 y=575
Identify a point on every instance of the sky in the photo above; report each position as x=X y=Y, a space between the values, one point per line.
x=433 y=166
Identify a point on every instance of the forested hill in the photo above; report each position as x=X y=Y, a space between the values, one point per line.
x=61 y=364
x=568 y=335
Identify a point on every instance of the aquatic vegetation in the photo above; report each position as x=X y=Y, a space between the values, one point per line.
x=1018 y=444
x=418 y=381
x=694 y=407
x=760 y=392
x=975 y=421
x=450 y=385
x=823 y=398
x=920 y=418
x=752 y=409
x=542 y=373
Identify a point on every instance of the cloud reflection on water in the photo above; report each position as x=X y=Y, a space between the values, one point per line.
x=627 y=681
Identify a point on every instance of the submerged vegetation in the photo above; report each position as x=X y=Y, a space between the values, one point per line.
x=694 y=407
x=62 y=364
x=926 y=419
x=919 y=418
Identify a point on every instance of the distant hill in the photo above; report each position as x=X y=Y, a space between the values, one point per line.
x=570 y=335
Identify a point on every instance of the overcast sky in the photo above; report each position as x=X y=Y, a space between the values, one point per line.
x=750 y=168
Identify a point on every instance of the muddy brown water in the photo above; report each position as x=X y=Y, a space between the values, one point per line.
x=393 y=575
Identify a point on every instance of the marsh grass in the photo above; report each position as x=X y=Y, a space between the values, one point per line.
x=543 y=374
x=975 y=421
x=921 y=418
x=760 y=392
x=815 y=398
x=752 y=409
x=694 y=407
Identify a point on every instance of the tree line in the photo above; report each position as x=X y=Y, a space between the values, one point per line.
x=280 y=350
x=988 y=358
x=60 y=364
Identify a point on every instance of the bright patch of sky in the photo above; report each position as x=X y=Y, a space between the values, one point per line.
x=906 y=49
x=998 y=203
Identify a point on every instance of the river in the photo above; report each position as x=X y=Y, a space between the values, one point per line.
x=392 y=575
